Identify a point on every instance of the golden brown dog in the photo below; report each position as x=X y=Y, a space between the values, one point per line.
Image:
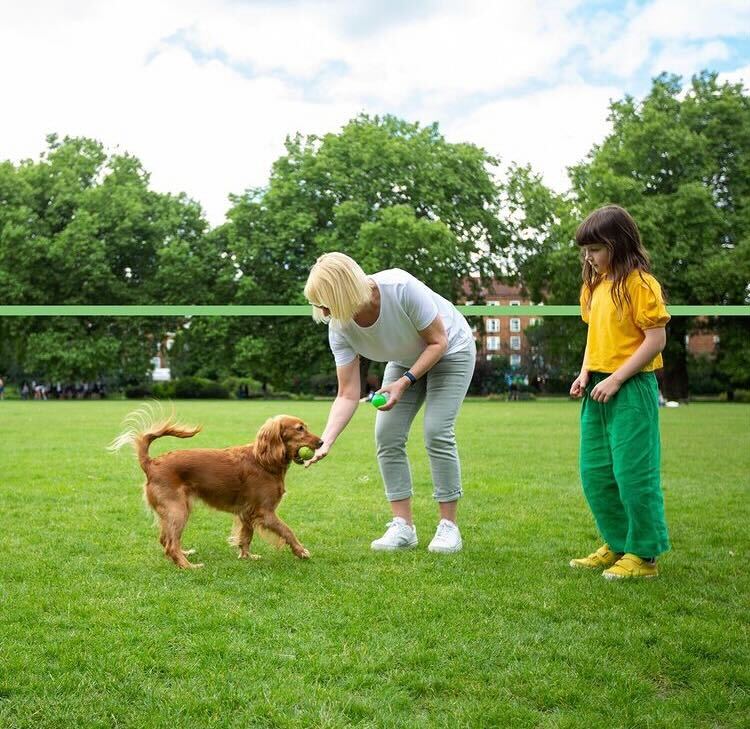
x=247 y=481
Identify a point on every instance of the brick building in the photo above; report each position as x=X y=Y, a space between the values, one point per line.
x=702 y=341
x=503 y=335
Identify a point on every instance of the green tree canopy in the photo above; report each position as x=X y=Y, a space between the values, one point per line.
x=388 y=193
x=80 y=227
x=679 y=161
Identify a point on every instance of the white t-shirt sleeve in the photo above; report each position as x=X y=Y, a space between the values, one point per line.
x=343 y=352
x=418 y=303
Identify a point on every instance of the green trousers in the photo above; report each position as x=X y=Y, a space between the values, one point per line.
x=620 y=472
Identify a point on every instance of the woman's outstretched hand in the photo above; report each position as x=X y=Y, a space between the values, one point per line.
x=319 y=455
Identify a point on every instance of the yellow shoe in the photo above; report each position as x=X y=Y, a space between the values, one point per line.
x=630 y=565
x=601 y=559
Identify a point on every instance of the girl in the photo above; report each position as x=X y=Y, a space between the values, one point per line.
x=624 y=308
x=393 y=317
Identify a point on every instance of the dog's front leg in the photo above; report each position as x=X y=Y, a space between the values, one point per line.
x=245 y=538
x=274 y=524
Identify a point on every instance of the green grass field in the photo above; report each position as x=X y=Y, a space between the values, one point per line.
x=98 y=629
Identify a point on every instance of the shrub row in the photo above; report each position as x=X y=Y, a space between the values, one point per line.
x=190 y=388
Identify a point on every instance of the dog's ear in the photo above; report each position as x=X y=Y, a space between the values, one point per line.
x=270 y=450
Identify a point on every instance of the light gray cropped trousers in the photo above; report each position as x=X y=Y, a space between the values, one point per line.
x=442 y=390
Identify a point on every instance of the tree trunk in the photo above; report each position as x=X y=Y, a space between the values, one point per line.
x=675 y=360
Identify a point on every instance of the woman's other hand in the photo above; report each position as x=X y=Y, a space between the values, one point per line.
x=395 y=391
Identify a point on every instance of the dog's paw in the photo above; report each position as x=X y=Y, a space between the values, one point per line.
x=249 y=555
x=303 y=553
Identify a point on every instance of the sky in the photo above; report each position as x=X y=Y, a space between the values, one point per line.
x=204 y=93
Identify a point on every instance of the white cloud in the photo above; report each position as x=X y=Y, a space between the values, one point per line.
x=686 y=60
x=204 y=93
x=551 y=129
x=199 y=128
x=670 y=22
x=465 y=48
x=739 y=75
x=677 y=20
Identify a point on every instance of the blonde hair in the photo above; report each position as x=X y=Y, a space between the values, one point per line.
x=337 y=282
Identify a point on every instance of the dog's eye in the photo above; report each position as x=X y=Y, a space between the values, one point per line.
x=300 y=427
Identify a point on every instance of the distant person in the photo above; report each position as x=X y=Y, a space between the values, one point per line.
x=622 y=304
x=2 y=389
x=392 y=317
x=25 y=390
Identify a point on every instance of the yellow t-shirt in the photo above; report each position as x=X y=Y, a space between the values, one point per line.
x=614 y=336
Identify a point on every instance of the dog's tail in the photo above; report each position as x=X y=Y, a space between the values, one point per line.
x=143 y=426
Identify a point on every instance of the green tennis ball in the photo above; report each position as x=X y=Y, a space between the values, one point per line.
x=380 y=399
x=305 y=453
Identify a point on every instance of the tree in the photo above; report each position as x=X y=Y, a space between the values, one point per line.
x=386 y=192
x=540 y=226
x=79 y=227
x=680 y=163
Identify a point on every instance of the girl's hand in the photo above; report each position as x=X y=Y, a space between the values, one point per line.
x=395 y=392
x=319 y=455
x=605 y=390
x=578 y=388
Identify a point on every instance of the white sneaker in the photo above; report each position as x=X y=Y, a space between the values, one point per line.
x=447 y=538
x=398 y=535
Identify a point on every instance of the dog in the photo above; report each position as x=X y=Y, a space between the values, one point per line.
x=247 y=481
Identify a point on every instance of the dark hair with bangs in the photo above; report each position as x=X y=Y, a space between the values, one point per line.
x=614 y=228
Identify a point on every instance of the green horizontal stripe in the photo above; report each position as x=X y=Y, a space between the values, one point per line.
x=701 y=310
x=187 y=310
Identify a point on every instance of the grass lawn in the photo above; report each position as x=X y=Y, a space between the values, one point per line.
x=98 y=629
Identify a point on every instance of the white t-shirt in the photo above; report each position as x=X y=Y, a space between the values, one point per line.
x=406 y=307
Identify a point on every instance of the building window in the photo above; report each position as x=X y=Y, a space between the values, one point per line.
x=493 y=303
x=493 y=343
x=515 y=360
x=515 y=303
x=515 y=325
x=493 y=325
x=532 y=322
x=515 y=342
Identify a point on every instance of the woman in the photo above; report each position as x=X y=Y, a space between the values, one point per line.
x=392 y=317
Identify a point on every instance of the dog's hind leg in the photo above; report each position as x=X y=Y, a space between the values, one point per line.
x=173 y=515
x=163 y=540
x=272 y=522
x=153 y=494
